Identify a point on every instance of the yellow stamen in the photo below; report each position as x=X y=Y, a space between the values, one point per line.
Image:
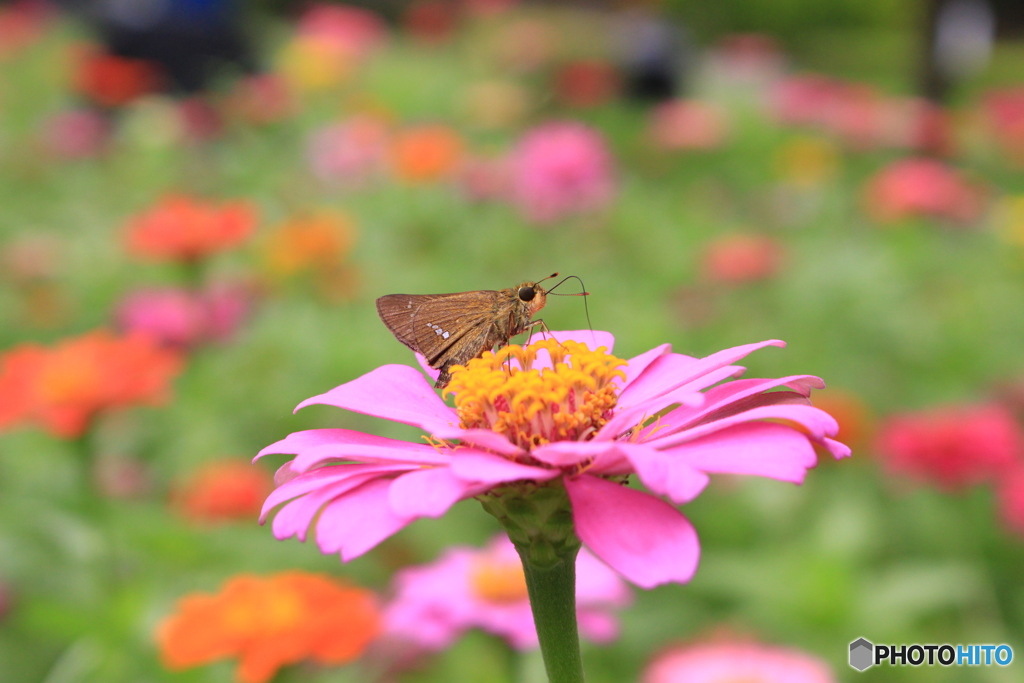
x=570 y=400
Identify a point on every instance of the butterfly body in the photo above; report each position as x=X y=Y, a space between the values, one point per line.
x=452 y=329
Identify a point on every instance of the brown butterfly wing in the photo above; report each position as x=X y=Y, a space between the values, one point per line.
x=397 y=312
x=451 y=325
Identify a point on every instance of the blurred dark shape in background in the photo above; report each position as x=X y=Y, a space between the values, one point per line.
x=960 y=35
x=654 y=54
x=191 y=41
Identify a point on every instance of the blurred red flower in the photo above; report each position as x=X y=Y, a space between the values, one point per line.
x=112 y=81
x=271 y=622
x=952 y=447
x=62 y=388
x=587 y=83
x=184 y=229
x=431 y=21
x=921 y=187
x=222 y=491
x=741 y=258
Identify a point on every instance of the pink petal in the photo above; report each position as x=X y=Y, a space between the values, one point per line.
x=665 y=474
x=673 y=371
x=637 y=364
x=295 y=517
x=355 y=523
x=321 y=478
x=393 y=392
x=838 y=450
x=485 y=468
x=764 y=449
x=592 y=338
x=628 y=417
x=565 y=454
x=642 y=537
x=482 y=438
x=296 y=442
x=396 y=451
x=427 y=492
x=816 y=421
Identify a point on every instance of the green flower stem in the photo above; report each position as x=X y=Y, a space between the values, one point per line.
x=538 y=519
x=552 y=592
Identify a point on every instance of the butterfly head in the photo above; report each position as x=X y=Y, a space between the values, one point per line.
x=532 y=295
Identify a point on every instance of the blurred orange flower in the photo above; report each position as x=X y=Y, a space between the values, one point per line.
x=318 y=241
x=269 y=623
x=222 y=491
x=64 y=387
x=426 y=153
x=181 y=228
x=587 y=83
x=112 y=81
x=856 y=421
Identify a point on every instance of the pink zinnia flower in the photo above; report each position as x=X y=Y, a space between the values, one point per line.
x=353 y=30
x=173 y=316
x=585 y=422
x=350 y=153
x=740 y=258
x=560 y=169
x=921 y=187
x=76 y=134
x=687 y=125
x=953 y=446
x=747 y=662
x=182 y=318
x=473 y=588
x=1010 y=493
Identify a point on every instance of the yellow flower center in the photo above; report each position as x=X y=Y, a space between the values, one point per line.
x=568 y=401
x=497 y=581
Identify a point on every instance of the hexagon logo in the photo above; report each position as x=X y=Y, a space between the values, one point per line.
x=861 y=654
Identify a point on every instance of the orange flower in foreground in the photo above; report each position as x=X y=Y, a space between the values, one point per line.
x=181 y=228
x=318 y=241
x=112 y=81
x=63 y=387
x=269 y=623
x=223 y=491
x=426 y=153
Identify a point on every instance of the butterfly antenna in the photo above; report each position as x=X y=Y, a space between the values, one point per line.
x=583 y=293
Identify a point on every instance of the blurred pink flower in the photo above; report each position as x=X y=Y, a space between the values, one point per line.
x=1010 y=494
x=350 y=153
x=468 y=588
x=486 y=179
x=225 y=306
x=687 y=124
x=560 y=169
x=921 y=187
x=741 y=258
x=173 y=316
x=804 y=100
x=354 y=30
x=182 y=318
x=952 y=447
x=21 y=24
x=76 y=133
x=1004 y=111
x=736 y=662
x=361 y=488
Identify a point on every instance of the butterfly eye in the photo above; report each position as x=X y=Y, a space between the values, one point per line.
x=526 y=293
